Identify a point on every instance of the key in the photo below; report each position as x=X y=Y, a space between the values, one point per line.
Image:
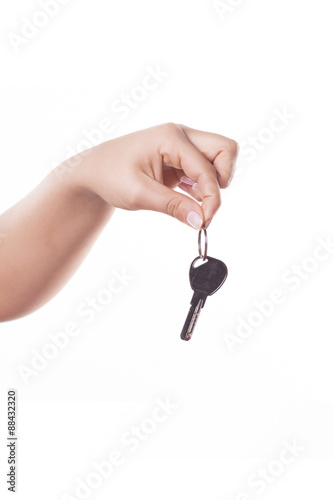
x=207 y=275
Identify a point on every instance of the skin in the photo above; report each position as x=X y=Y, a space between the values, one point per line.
x=47 y=234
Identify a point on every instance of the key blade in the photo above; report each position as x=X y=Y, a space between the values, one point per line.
x=191 y=320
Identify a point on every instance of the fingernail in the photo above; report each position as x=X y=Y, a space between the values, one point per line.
x=195 y=220
x=195 y=186
x=187 y=180
x=184 y=187
x=207 y=223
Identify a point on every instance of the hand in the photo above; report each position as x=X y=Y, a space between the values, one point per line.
x=139 y=171
x=49 y=232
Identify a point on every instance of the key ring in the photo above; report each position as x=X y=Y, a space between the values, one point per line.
x=202 y=255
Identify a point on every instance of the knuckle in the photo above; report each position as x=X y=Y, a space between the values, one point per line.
x=232 y=147
x=213 y=195
x=215 y=199
x=171 y=128
x=169 y=140
x=216 y=196
x=173 y=206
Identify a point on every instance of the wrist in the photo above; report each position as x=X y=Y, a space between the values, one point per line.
x=75 y=177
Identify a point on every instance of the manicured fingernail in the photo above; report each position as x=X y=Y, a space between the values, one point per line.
x=184 y=187
x=195 y=220
x=187 y=180
x=195 y=186
x=207 y=223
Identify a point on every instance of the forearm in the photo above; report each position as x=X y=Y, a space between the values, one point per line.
x=45 y=237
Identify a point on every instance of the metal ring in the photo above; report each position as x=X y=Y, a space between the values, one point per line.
x=202 y=255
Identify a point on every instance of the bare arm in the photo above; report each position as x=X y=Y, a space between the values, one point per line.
x=47 y=234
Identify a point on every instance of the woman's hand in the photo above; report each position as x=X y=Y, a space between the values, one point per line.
x=139 y=171
x=47 y=234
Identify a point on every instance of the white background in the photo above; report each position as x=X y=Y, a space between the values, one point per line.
x=226 y=73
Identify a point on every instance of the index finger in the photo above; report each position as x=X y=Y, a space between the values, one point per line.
x=179 y=152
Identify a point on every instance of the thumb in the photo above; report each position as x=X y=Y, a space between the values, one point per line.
x=160 y=198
